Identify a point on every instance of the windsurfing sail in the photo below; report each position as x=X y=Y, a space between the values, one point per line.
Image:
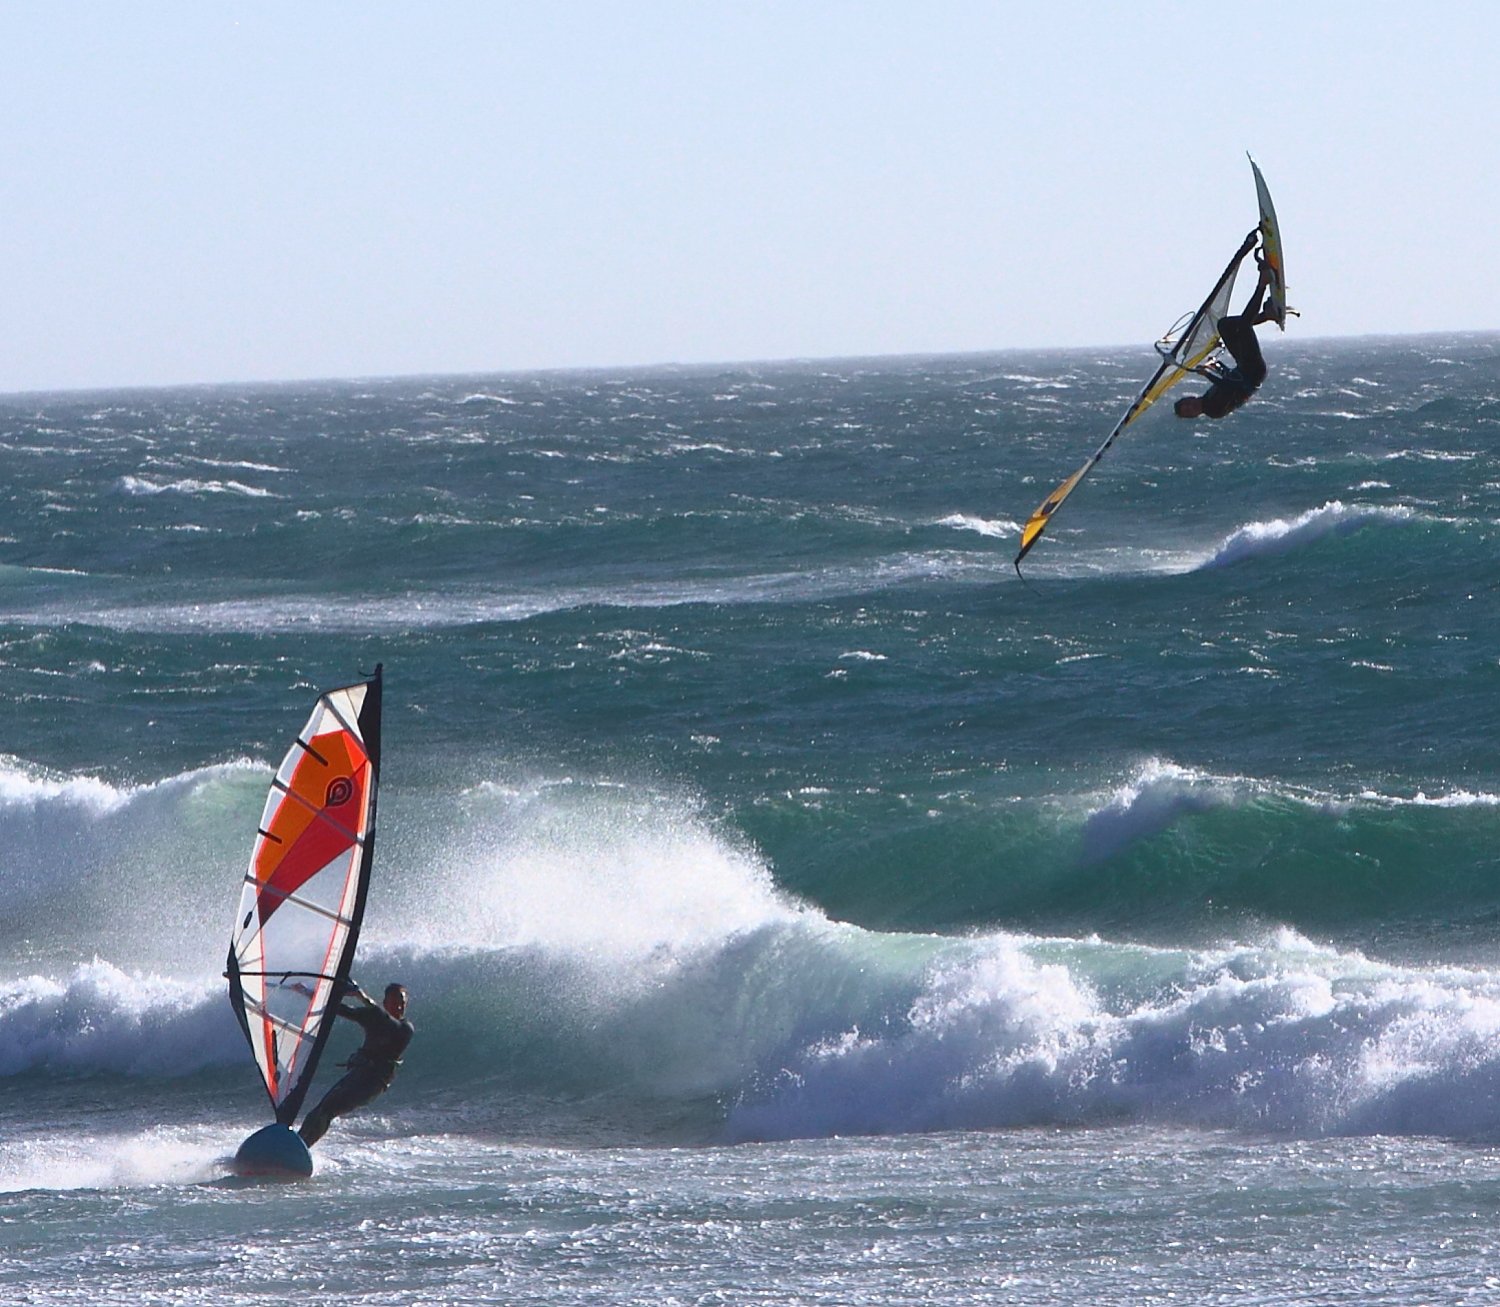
x=304 y=895
x=1191 y=345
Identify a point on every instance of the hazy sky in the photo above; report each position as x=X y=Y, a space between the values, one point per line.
x=216 y=190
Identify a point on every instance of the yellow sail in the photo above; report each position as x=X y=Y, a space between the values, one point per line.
x=1037 y=522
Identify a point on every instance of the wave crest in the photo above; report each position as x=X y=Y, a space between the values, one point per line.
x=995 y=529
x=136 y=485
x=1281 y=1036
x=1155 y=799
x=101 y=1018
x=1282 y=535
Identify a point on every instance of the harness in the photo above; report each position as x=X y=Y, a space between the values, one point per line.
x=1235 y=379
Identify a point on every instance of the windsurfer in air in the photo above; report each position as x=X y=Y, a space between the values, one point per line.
x=373 y=1065
x=1233 y=386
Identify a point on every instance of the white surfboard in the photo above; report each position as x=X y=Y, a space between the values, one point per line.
x=1270 y=239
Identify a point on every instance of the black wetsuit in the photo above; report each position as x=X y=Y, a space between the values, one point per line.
x=371 y=1068
x=1234 y=387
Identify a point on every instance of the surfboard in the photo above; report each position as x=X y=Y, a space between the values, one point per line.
x=275 y=1152
x=1270 y=241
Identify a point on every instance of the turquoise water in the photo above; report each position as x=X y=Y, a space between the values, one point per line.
x=795 y=905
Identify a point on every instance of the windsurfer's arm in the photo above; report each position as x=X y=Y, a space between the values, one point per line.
x=354 y=1003
x=1253 y=311
x=347 y=989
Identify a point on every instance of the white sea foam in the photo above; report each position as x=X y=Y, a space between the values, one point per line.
x=161 y=1155
x=647 y=942
x=626 y=939
x=1282 y=1036
x=13 y=572
x=995 y=528
x=240 y=465
x=1281 y=535
x=1159 y=794
x=1456 y=799
x=816 y=1029
x=1432 y=455
x=134 y=485
x=27 y=789
x=101 y=1018
x=655 y=944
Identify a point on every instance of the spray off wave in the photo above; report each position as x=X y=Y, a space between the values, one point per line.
x=82 y=852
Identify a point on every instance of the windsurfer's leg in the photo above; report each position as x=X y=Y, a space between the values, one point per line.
x=1252 y=309
x=354 y=1090
x=1240 y=340
x=315 y=1124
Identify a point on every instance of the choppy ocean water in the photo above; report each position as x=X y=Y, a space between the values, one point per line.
x=796 y=906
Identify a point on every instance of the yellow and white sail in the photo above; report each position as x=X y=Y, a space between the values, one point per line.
x=1187 y=348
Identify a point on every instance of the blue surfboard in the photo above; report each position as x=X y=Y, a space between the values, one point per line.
x=274 y=1153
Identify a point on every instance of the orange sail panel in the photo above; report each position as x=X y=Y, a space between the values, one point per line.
x=303 y=897
x=321 y=816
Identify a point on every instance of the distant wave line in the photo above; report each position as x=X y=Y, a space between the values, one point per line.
x=446 y=609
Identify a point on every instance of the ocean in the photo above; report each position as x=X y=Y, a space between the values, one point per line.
x=796 y=905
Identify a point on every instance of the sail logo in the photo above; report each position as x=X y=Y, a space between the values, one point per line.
x=340 y=791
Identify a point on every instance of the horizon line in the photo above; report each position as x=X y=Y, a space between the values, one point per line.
x=661 y=366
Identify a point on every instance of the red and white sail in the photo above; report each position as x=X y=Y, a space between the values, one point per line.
x=304 y=894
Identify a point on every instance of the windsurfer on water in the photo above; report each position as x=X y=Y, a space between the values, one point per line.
x=373 y=1064
x=1233 y=386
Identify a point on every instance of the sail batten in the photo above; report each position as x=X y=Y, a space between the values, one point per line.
x=301 y=903
x=306 y=747
x=303 y=896
x=268 y=1016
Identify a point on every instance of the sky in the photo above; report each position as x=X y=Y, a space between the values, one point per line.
x=226 y=191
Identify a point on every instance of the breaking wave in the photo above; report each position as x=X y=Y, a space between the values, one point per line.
x=572 y=939
x=1280 y=535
